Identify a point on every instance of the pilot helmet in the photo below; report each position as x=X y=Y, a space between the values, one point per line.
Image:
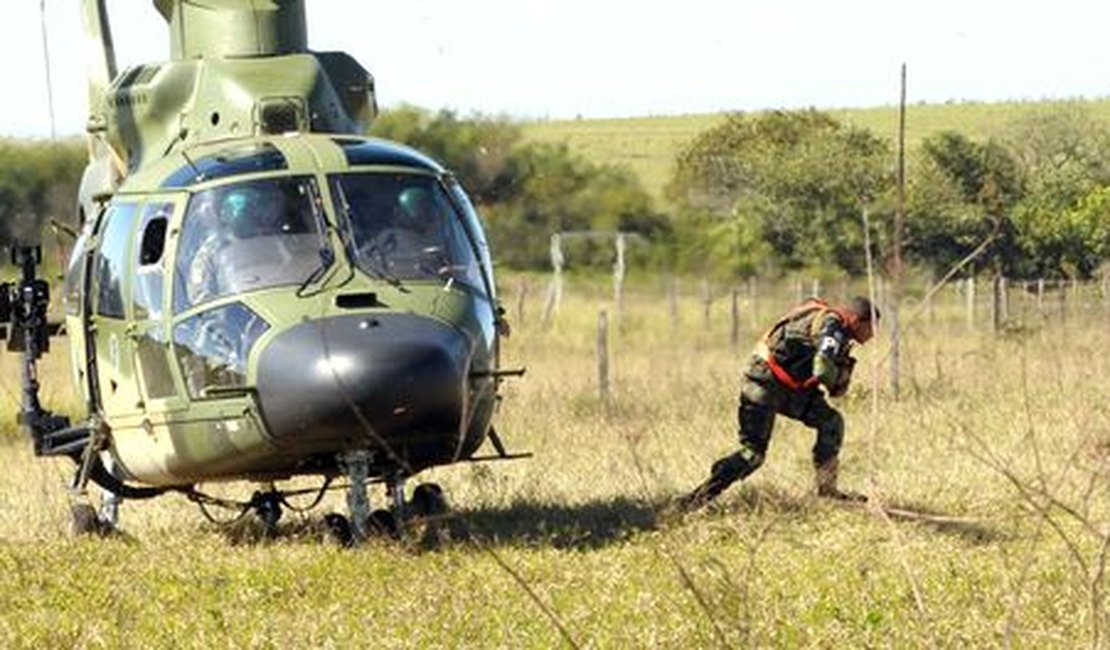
x=238 y=208
x=417 y=205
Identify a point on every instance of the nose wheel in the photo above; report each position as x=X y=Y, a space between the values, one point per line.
x=362 y=523
x=85 y=521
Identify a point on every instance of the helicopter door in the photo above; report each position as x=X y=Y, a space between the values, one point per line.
x=148 y=341
x=119 y=393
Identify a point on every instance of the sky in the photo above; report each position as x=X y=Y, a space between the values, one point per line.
x=536 y=59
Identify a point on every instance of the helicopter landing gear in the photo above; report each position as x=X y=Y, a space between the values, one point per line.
x=428 y=500
x=110 y=501
x=85 y=522
x=267 y=507
x=357 y=465
x=429 y=506
x=427 y=503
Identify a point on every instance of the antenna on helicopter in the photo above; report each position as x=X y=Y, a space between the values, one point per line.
x=46 y=65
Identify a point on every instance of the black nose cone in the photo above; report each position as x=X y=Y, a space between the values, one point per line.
x=389 y=379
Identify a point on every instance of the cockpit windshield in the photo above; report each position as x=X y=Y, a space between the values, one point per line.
x=247 y=236
x=404 y=227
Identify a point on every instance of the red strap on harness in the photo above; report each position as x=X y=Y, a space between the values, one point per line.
x=785 y=378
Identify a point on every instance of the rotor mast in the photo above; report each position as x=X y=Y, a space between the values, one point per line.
x=234 y=28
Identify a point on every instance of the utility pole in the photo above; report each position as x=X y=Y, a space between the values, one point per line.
x=896 y=262
x=46 y=62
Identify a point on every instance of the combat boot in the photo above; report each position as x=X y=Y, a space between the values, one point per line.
x=725 y=472
x=826 y=474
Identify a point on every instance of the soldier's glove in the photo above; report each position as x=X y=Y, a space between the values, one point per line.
x=844 y=367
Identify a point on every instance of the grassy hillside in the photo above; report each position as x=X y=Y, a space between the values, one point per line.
x=648 y=145
x=574 y=547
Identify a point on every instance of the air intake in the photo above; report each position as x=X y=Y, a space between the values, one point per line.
x=277 y=116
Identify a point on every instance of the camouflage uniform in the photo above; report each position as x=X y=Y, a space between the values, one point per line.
x=812 y=346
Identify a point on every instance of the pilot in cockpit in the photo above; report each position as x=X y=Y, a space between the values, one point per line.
x=238 y=217
x=411 y=243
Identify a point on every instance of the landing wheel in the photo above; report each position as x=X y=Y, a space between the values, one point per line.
x=85 y=520
x=428 y=500
x=429 y=506
x=382 y=523
x=338 y=529
x=267 y=507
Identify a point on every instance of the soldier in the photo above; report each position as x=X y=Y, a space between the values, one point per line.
x=236 y=219
x=411 y=243
x=807 y=348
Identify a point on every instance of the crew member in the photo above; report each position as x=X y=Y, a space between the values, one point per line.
x=807 y=349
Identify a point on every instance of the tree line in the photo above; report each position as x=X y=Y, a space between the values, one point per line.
x=766 y=194
x=786 y=191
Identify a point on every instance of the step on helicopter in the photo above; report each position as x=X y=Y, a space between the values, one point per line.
x=256 y=291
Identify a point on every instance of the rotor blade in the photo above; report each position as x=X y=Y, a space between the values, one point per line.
x=105 y=168
x=100 y=54
x=165 y=7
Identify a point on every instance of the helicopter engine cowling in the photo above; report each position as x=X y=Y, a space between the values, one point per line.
x=392 y=383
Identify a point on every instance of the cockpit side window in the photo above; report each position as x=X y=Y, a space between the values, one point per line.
x=111 y=259
x=147 y=289
x=477 y=232
x=75 y=275
x=245 y=236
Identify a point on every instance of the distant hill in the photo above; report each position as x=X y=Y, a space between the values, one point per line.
x=648 y=145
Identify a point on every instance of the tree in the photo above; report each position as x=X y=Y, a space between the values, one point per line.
x=37 y=181
x=1061 y=222
x=794 y=183
x=961 y=193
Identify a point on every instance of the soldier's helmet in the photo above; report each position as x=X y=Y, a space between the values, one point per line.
x=239 y=210
x=417 y=207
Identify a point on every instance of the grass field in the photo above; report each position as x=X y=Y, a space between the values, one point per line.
x=648 y=145
x=1001 y=442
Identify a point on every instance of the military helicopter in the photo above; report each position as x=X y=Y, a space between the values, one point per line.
x=256 y=291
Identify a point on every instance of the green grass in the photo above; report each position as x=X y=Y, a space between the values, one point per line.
x=649 y=145
x=579 y=537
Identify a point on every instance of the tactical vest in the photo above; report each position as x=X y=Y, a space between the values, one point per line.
x=789 y=347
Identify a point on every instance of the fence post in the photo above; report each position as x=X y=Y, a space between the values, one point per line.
x=971 y=302
x=672 y=301
x=603 y=359
x=521 y=295
x=706 y=299
x=1063 y=285
x=930 y=307
x=996 y=304
x=555 y=290
x=1103 y=292
x=618 y=280
x=753 y=297
x=735 y=317
x=1005 y=299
